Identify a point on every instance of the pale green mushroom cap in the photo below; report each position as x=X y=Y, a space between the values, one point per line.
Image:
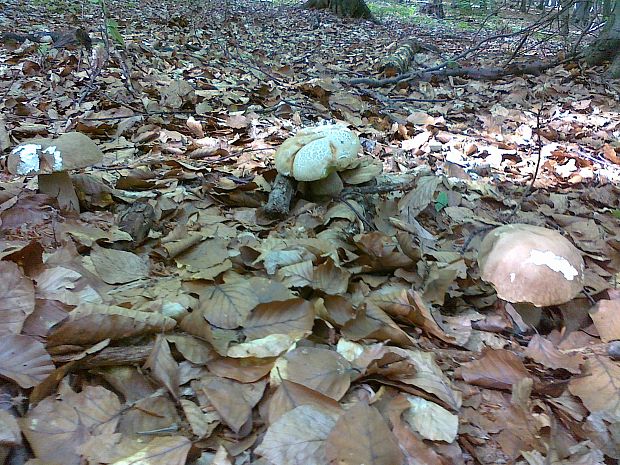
x=314 y=153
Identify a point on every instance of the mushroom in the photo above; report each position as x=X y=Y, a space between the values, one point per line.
x=314 y=155
x=531 y=265
x=50 y=159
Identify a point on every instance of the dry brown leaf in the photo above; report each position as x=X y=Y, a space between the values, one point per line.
x=323 y=370
x=430 y=420
x=290 y=395
x=193 y=349
x=330 y=278
x=428 y=376
x=298 y=437
x=606 y=317
x=373 y=323
x=163 y=367
x=244 y=370
x=420 y=315
x=202 y=424
x=24 y=360
x=420 y=197
x=233 y=401
x=418 y=452
x=91 y=323
x=361 y=437
x=10 y=434
x=118 y=266
x=108 y=448
x=57 y=427
x=152 y=413
x=267 y=347
x=544 y=352
x=47 y=314
x=16 y=298
x=228 y=305
x=598 y=387
x=64 y=284
x=171 y=450
x=497 y=369
x=294 y=317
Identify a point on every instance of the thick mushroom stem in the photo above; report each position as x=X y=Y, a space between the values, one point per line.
x=280 y=197
x=60 y=186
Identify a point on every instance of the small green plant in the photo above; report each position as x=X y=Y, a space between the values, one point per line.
x=112 y=27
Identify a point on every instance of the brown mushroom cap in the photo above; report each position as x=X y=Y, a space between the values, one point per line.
x=531 y=264
x=45 y=156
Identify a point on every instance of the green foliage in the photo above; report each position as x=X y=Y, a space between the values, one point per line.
x=58 y=6
x=112 y=27
x=43 y=49
x=392 y=9
x=441 y=201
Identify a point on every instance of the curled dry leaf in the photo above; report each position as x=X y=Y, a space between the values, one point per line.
x=430 y=420
x=170 y=450
x=411 y=443
x=10 y=434
x=266 y=347
x=24 y=360
x=118 y=266
x=244 y=370
x=599 y=388
x=606 y=317
x=497 y=369
x=91 y=323
x=323 y=370
x=233 y=401
x=294 y=316
x=298 y=437
x=361 y=437
x=428 y=376
x=544 y=352
x=373 y=323
x=228 y=305
x=290 y=395
x=202 y=424
x=16 y=298
x=163 y=367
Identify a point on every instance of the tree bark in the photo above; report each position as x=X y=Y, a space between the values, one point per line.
x=607 y=46
x=348 y=8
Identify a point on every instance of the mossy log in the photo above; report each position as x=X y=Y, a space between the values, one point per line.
x=399 y=61
x=347 y=8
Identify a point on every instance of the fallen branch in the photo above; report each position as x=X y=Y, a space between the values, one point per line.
x=491 y=74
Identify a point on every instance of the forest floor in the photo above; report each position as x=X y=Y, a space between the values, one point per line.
x=172 y=322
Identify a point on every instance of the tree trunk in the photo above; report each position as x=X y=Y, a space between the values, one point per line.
x=607 y=45
x=348 y=8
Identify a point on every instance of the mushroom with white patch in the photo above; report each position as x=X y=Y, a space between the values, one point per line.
x=531 y=265
x=50 y=159
x=314 y=155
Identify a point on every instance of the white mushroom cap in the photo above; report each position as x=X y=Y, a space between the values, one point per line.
x=314 y=153
x=531 y=264
x=45 y=156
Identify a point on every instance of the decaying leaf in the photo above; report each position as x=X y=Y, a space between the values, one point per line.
x=90 y=323
x=24 y=360
x=361 y=437
x=298 y=436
